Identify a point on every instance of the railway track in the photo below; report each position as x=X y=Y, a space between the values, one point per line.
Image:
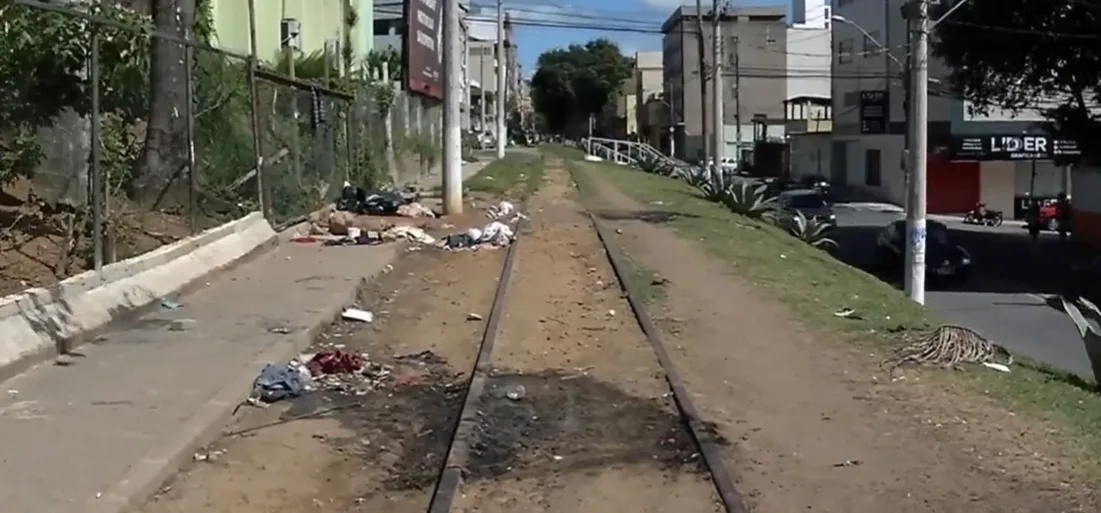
x=460 y=465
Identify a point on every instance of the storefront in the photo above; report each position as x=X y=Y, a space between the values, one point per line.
x=1011 y=169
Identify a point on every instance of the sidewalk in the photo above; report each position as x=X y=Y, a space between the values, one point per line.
x=108 y=428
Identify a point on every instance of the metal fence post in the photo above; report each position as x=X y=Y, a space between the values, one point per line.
x=97 y=189
x=262 y=196
x=189 y=112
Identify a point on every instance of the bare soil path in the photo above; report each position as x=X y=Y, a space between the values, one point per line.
x=577 y=416
x=818 y=427
x=370 y=445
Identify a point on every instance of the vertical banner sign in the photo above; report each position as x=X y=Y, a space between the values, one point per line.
x=422 y=45
x=874 y=107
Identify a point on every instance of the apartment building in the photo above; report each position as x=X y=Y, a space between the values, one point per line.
x=967 y=163
x=754 y=56
x=651 y=108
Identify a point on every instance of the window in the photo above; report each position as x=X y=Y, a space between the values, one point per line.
x=872 y=168
x=871 y=43
x=845 y=51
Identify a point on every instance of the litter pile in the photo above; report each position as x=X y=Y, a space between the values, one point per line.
x=330 y=369
x=403 y=202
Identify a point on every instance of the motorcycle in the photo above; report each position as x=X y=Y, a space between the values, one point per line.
x=982 y=216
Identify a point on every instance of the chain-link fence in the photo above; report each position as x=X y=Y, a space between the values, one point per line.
x=303 y=131
x=159 y=136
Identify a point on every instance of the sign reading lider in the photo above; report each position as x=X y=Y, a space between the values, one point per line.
x=1013 y=147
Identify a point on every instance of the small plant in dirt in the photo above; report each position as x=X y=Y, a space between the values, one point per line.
x=809 y=230
x=749 y=200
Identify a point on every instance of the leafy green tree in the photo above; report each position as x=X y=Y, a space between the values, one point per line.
x=44 y=63
x=572 y=83
x=1022 y=54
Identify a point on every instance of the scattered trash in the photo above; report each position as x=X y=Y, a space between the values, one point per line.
x=409 y=233
x=846 y=313
x=355 y=314
x=381 y=202
x=279 y=382
x=279 y=330
x=996 y=366
x=180 y=324
x=494 y=235
x=169 y=304
x=849 y=463
x=611 y=313
x=304 y=239
x=335 y=361
x=473 y=317
x=502 y=209
x=211 y=456
x=426 y=356
x=515 y=392
x=415 y=210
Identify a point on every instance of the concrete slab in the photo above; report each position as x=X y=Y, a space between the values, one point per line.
x=102 y=433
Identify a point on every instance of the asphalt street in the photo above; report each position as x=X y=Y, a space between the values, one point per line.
x=1009 y=297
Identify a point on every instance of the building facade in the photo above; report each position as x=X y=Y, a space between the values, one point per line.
x=869 y=125
x=754 y=58
x=319 y=20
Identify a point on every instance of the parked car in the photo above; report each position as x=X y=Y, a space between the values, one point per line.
x=945 y=261
x=811 y=203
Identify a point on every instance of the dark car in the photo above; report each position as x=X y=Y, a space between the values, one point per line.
x=811 y=203
x=945 y=261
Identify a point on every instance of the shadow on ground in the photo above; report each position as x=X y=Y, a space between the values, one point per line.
x=646 y=216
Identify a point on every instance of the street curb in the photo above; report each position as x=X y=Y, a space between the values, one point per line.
x=145 y=478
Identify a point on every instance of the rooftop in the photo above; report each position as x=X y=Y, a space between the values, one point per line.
x=754 y=13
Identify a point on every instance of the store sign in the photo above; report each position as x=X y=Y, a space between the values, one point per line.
x=1014 y=147
x=874 y=109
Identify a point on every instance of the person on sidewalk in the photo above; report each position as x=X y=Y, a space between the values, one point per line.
x=1032 y=218
x=1062 y=215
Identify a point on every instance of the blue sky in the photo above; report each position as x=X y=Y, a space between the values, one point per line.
x=642 y=15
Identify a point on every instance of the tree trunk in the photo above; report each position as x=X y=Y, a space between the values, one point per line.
x=165 y=151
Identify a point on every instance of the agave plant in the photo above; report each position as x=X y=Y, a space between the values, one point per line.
x=1087 y=318
x=650 y=163
x=750 y=200
x=812 y=231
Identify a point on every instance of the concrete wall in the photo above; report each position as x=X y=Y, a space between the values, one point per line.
x=811 y=154
x=1086 y=196
x=808 y=62
x=892 y=186
x=37 y=321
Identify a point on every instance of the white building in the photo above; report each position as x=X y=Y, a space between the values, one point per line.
x=869 y=124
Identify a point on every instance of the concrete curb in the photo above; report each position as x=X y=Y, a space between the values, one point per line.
x=40 y=322
x=145 y=478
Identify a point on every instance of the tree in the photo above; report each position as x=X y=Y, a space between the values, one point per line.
x=1024 y=54
x=573 y=83
x=166 y=148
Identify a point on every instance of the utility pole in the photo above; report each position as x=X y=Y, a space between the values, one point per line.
x=700 y=50
x=502 y=72
x=917 y=12
x=717 y=95
x=452 y=118
x=482 y=92
x=738 y=98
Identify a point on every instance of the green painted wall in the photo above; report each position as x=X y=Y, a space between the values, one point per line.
x=319 y=19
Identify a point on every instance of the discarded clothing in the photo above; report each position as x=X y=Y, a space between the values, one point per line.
x=495 y=234
x=335 y=361
x=278 y=382
x=500 y=210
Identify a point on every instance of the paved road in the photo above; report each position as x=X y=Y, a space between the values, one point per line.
x=1006 y=300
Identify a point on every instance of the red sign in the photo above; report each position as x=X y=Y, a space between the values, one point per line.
x=423 y=47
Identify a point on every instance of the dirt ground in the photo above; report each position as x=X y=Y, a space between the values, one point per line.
x=576 y=417
x=35 y=245
x=373 y=443
x=820 y=428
